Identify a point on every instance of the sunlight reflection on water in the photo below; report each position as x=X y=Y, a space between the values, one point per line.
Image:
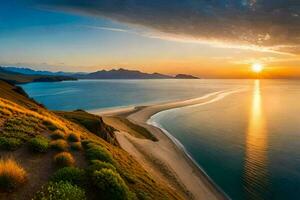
x=255 y=171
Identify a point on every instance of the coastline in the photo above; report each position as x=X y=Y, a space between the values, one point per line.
x=166 y=159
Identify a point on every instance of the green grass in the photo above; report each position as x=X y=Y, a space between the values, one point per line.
x=38 y=144
x=50 y=126
x=61 y=191
x=98 y=165
x=20 y=111
x=10 y=143
x=64 y=159
x=96 y=152
x=111 y=185
x=70 y=174
x=91 y=122
x=22 y=127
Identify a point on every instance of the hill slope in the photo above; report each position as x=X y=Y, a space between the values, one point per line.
x=17 y=78
x=28 y=71
x=22 y=119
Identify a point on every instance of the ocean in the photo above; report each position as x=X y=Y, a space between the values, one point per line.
x=247 y=140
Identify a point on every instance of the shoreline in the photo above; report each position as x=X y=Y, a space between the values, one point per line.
x=167 y=158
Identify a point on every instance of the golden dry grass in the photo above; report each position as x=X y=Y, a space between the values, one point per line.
x=59 y=145
x=76 y=146
x=64 y=159
x=13 y=105
x=73 y=137
x=57 y=134
x=12 y=174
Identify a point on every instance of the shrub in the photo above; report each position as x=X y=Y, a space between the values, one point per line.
x=57 y=135
x=130 y=178
x=76 y=146
x=64 y=159
x=12 y=175
x=141 y=195
x=70 y=174
x=39 y=144
x=9 y=143
x=96 y=152
x=60 y=145
x=73 y=137
x=50 y=125
x=111 y=185
x=61 y=191
x=98 y=165
x=85 y=143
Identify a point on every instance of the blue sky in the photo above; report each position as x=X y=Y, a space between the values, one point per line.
x=171 y=36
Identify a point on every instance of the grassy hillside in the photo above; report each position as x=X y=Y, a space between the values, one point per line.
x=43 y=154
x=92 y=123
x=18 y=78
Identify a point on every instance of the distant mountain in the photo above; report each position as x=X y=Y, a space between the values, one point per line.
x=18 y=78
x=185 y=76
x=29 y=71
x=103 y=74
x=130 y=74
x=122 y=74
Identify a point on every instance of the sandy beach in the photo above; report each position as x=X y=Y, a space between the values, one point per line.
x=163 y=159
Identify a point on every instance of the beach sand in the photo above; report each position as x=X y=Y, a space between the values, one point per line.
x=163 y=159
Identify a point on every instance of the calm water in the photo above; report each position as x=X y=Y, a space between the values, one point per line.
x=247 y=142
x=97 y=94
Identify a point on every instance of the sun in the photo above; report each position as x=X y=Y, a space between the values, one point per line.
x=257 y=68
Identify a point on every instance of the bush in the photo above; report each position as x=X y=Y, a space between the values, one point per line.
x=12 y=175
x=96 y=152
x=59 y=145
x=61 y=191
x=57 y=135
x=76 y=146
x=85 y=143
x=9 y=143
x=64 y=159
x=39 y=144
x=141 y=195
x=111 y=185
x=73 y=137
x=98 y=165
x=50 y=125
x=70 y=174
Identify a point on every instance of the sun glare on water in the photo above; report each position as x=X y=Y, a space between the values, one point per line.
x=257 y=68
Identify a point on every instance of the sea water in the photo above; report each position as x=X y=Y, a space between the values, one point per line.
x=247 y=142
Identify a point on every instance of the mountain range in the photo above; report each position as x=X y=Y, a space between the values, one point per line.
x=19 y=78
x=103 y=74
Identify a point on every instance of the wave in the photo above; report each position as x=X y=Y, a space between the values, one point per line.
x=220 y=95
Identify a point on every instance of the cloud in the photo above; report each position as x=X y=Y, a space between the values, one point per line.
x=108 y=29
x=271 y=24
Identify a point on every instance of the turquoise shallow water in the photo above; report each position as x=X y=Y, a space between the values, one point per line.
x=247 y=142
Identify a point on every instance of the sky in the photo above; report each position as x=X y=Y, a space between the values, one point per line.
x=206 y=38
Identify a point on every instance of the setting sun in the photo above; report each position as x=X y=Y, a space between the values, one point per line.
x=257 y=68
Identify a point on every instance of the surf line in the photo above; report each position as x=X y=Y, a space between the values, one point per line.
x=219 y=96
